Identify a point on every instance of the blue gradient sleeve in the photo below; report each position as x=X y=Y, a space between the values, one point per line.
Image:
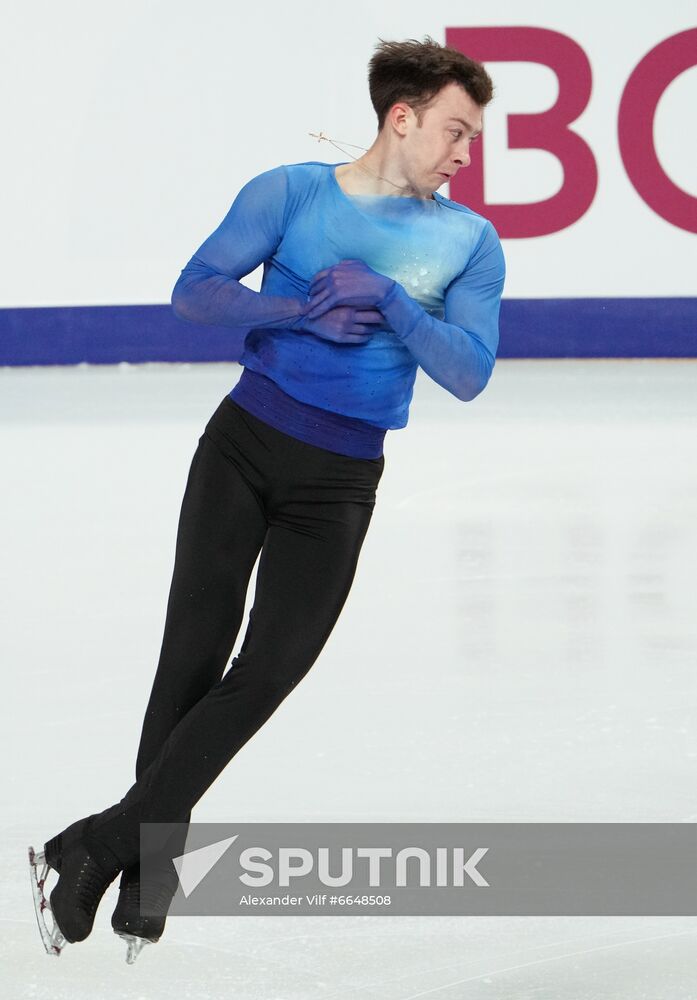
x=208 y=289
x=459 y=351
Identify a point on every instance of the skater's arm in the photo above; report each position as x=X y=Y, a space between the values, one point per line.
x=208 y=289
x=459 y=351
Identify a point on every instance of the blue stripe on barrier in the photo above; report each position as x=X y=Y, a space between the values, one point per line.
x=598 y=328
x=109 y=334
x=530 y=328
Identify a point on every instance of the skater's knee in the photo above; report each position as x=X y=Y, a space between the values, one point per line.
x=272 y=688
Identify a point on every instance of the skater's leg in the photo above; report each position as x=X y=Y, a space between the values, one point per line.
x=305 y=573
x=221 y=531
x=220 y=534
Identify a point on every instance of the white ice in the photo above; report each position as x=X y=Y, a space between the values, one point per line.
x=518 y=646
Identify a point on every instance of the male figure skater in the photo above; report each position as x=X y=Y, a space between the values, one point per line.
x=368 y=273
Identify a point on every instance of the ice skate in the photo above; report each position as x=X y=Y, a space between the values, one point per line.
x=40 y=865
x=140 y=922
x=85 y=872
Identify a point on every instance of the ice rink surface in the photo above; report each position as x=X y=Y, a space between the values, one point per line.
x=519 y=646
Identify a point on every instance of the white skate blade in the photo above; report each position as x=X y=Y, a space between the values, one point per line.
x=135 y=945
x=53 y=939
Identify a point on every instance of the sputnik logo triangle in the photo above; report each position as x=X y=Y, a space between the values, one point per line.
x=193 y=866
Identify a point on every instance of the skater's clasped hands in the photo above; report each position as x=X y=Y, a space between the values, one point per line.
x=343 y=300
x=348 y=283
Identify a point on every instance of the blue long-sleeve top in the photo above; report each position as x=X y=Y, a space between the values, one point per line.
x=442 y=314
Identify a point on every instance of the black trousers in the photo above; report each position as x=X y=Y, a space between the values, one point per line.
x=251 y=489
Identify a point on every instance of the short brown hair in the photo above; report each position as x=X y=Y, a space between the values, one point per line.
x=415 y=72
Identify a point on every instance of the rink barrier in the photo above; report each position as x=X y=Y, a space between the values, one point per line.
x=529 y=328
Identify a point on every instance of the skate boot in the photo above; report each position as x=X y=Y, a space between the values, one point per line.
x=86 y=869
x=140 y=913
x=41 y=864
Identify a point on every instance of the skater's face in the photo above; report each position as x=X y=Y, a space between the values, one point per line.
x=441 y=144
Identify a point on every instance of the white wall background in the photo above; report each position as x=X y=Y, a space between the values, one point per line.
x=129 y=127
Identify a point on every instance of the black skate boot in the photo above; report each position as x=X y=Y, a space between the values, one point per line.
x=87 y=871
x=140 y=913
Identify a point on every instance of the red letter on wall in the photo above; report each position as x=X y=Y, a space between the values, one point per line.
x=635 y=127
x=547 y=130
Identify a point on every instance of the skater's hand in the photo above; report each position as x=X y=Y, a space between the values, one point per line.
x=343 y=325
x=348 y=283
